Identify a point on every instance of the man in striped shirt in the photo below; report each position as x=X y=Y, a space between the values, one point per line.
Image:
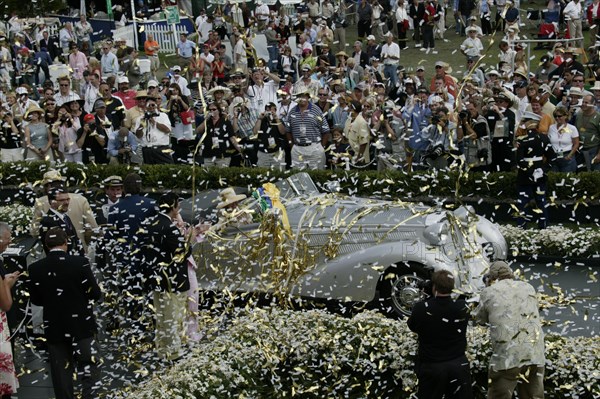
x=307 y=130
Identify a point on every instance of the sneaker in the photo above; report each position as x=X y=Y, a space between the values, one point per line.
x=428 y=50
x=417 y=45
x=404 y=48
x=424 y=49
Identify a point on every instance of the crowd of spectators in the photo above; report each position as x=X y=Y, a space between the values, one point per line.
x=317 y=104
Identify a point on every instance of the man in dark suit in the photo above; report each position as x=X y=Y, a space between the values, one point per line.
x=57 y=217
x=125 y=217
x=51 y=45
x=65 y=287
x=166 y=252
x=359 y=55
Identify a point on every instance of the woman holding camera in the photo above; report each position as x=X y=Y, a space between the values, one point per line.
x=68 y=148
x=219 y=143
x=182 y=134
x=38 y=138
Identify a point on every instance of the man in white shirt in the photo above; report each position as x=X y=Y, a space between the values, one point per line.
x=390 y=53
x=471 y=46
x=262 y=93
x=180 y=80
x=153 y=130
x=65 y=94
x=91 y=93
x=572 y=13
x=109 y=61
x=262 y=14
x=84 y=30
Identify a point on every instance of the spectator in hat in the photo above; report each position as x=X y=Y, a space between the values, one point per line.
x=475 y=72
x=442 y=71
x=373 y=48
x=180 y=80
x=138 y=109
x=219 y=143
x=570 y=64
x=471 y=46
x=306 y=82
x=126 y=95
x=509 y=308
x=502 y=121
x=307 y=129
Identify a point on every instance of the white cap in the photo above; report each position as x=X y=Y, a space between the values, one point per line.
x=371 y=37
x=21 y=90
x=152 y=83
x=122 y=79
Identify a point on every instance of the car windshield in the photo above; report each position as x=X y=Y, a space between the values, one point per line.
x=295 y=185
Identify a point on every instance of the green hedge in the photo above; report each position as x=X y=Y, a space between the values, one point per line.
x=278 y=354
x=583 y=187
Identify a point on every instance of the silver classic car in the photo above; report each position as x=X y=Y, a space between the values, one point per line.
x=330 y=246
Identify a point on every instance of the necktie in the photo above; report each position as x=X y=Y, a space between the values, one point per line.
x=69 y=225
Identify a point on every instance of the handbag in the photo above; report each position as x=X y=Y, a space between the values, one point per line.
x=187 y=117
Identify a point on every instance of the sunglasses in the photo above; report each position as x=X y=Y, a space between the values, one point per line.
x=212 y=109
x=64 y=85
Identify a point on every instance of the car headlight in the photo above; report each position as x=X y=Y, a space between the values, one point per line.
x=437 y=233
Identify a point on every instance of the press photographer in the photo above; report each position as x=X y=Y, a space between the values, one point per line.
x=153 y=130
x=10 y=138
x=473 y=136
x=122 y=149
x=92 y=138
x=269 y=134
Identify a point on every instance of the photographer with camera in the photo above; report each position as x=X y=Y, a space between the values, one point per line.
x=122 y=148
x=10 y=138
x=153 y=129
x=270 y=134
x=438 y=136
x=69 y=149
x=92 y=137
x=182 y=130
x=244 y=120
x=441 y=321
x=473 y=136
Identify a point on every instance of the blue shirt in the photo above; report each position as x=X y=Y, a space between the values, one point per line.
x=185 y=48
x=115 y=144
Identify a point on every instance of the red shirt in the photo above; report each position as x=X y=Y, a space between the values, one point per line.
x=127 y=97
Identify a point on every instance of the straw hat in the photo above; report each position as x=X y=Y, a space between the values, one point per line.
x=34 y=109
x=52 y=176
x=226 y=91
x=228 y=197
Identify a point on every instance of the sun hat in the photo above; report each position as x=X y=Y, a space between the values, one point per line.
x=228 y=197
x=52 y=176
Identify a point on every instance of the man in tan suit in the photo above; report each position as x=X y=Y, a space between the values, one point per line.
x=79 y=211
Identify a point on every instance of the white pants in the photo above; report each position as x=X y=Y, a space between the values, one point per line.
x=170 y=310
x=76 y=157
x=309 y=157
x=11 y=154
x=274 y=160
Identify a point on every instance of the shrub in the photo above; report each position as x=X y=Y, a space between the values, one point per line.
x=272 y=353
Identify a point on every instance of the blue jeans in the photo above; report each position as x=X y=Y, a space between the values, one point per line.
x=564 y=165
x=273 y=57
x=525 y=194
x=391 y=72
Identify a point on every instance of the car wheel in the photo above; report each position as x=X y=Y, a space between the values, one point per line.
x=400 y=289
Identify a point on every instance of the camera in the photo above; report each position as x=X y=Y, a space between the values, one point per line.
x=92 y=126
x=149 y=115
x=463 y=114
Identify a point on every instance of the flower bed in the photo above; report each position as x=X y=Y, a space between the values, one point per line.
x=18 y=216
x=556 y=241
x=271 y=353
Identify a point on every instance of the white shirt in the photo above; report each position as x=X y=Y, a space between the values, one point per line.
x=90 y=96
x=262 y=9
x=472 y=47
x=401 y=14
x=60 y=99
x=572 y=11
x=183 y=85
x=390 y=50
x=153 y=137
x=261 y=96
x=561 y=139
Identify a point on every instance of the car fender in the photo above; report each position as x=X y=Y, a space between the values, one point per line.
x=355 y=276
